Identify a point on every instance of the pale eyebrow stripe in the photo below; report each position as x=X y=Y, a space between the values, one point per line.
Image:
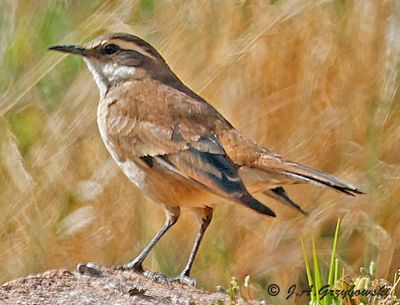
x=128 y=45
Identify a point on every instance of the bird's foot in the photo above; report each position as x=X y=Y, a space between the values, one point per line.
x=137 y=267
x=156 y=276
x=183 y=279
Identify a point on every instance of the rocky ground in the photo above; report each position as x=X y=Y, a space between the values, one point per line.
x=93 y=285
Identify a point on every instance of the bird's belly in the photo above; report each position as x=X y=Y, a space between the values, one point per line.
x=165 y=188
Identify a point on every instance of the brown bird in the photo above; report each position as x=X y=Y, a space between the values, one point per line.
x=176 y=147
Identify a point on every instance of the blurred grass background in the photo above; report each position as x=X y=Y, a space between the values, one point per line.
x=314 y=80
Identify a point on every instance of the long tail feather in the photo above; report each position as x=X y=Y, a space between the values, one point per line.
x=303 y=173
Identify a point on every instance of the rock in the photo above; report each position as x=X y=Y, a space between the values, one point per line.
x=100 y=285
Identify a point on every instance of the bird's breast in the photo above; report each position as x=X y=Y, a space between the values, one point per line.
x=130 y=169
x=102 y=112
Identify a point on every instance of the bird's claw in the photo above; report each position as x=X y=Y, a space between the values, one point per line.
x=130 y=267
x=156 y=276
x=183 y=279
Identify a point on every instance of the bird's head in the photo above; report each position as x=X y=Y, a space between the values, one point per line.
x=119 y=57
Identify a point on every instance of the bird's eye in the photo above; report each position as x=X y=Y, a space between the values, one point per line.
x=111 y=49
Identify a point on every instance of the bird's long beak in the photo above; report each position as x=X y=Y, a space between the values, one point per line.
x=78 y=50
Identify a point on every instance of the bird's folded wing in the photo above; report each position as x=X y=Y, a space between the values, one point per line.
x=180 y=141
x=152 y=119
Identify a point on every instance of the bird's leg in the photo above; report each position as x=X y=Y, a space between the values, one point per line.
x=184 y=277
x=136 y=264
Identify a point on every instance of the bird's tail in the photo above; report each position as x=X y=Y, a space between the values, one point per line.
x=303 y=173
x=298 y=173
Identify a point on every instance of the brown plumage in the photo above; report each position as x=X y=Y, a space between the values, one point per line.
x=175 y=146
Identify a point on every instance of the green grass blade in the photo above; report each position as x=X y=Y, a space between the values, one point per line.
x=317 y=271
x=308 y=270
x=337 y=266
x=332 y=266
x=331 y=276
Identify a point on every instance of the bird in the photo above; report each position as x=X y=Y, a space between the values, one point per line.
x=176 y=147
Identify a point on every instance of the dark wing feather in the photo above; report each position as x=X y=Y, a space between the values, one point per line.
x=216 y=173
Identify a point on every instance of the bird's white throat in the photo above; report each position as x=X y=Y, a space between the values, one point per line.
x=107 y=74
